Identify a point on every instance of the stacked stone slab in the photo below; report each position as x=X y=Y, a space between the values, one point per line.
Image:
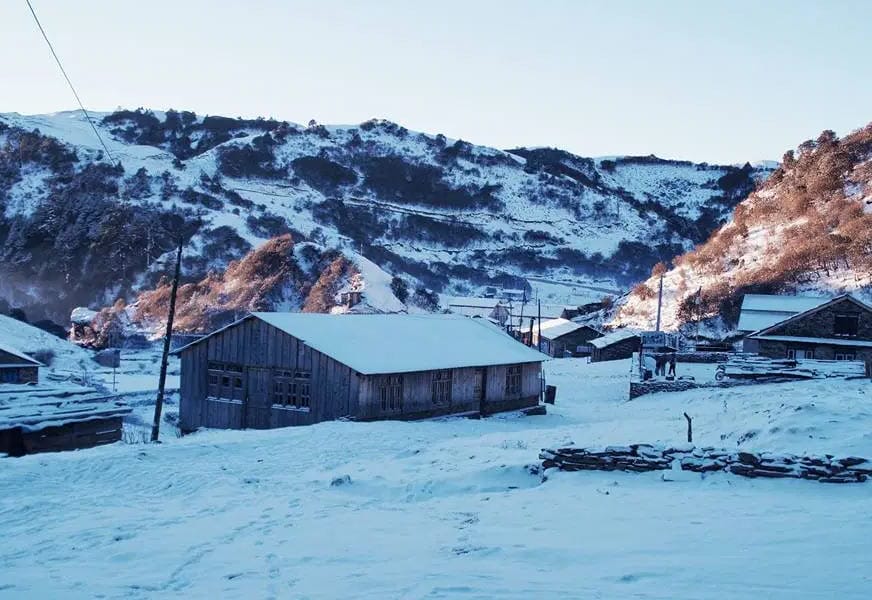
x=648 y=457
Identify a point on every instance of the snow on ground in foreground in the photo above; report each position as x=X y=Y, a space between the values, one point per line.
x=447 y=509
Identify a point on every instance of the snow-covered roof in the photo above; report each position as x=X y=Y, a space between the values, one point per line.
x=614 y=337
x=18 y=354
x=82 y=315
x=554 y=328
x=28 y=339
x=760 y=311
x=398 y=343
x=35 y=407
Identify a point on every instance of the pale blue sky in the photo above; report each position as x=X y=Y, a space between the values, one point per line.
x=716 y=81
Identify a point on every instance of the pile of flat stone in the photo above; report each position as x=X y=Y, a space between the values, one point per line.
x=648 y=457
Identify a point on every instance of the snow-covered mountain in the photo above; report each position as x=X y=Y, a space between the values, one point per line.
x=808 y=229
x=78 y=227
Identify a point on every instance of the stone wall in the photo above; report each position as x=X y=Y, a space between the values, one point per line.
x=821 y=323
x=647 y=457
x=701 y=357
x=776 y=349
x=640 y=388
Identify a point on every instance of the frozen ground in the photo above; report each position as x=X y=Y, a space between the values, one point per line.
x=448 y=508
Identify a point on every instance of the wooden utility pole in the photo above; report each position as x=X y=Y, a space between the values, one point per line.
x=158 y=406
x=539 y=341
x=659 y=303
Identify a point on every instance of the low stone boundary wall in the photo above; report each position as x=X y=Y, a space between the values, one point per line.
x=653 y=386
x=647 y=457
x=702 y=357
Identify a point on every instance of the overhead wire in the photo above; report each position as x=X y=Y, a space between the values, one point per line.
x=70 y=83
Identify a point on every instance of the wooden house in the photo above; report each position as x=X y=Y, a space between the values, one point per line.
x=561 y=337
x=17 y=367
x=839 y=329
x=53 y=417
x=615 y=345
x=281 y=369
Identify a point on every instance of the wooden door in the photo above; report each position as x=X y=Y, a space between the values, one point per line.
x=258 y=406
x=479 y=389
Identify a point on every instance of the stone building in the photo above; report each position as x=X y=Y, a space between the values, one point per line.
x=840 y=329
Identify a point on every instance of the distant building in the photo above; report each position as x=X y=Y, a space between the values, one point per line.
x=470 y=306
x=561 y=337
x=837 y=329
x=17 y=367
x=350 y=299
x=615 y=345
x=281 y=369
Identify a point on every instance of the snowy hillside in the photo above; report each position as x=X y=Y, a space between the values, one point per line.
x=76 y=229
x=807 y=230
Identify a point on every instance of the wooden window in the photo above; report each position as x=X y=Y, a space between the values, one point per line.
x=846 y=325
x=442 y=386
x=513 y=381
x=291 y=389
x=302 y=380
x=391 y=393
x=224 y=380
x=845 y=356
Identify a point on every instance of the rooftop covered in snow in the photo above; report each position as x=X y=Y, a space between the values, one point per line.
x=760 y=311
x=35 y=407
x=554 y=328
x=4 y=347
x=613 y=337
x=395 y=343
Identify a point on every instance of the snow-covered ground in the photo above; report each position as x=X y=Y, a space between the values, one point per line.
x=449 y=508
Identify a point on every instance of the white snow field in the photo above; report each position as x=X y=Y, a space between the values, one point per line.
x=448 y=508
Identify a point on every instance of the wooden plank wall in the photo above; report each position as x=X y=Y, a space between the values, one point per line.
x=252 y=343
x=418 y=393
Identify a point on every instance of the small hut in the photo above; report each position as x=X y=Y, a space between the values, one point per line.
x=561 y=338
x=17 y=367
x=616 y=345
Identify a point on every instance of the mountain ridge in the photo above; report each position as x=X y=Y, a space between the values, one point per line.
x=807 y=229
x=445 y=215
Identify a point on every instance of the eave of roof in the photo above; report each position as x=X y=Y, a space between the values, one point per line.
x=815 y=340
x=812 y=311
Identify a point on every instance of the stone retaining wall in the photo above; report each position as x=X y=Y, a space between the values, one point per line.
x=647 y=457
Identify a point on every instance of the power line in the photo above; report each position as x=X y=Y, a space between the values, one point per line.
x=70 y=83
